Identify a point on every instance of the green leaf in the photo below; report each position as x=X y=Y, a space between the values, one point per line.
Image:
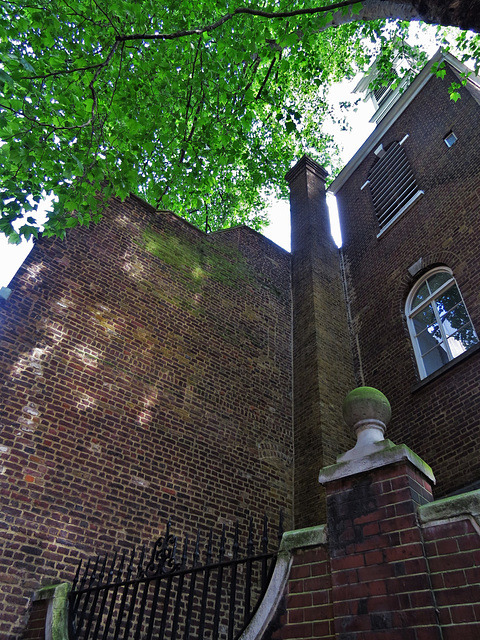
x=26 y=65
x=290 y=126
x=5 y=77
x=209 y=119
x=14 y=238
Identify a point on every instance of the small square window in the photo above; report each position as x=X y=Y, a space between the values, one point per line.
x=450 y=139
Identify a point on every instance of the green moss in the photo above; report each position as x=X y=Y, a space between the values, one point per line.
x=60 y=613
x=198 y=261
x=302 y=538
x=58 y=594
x=464 y=504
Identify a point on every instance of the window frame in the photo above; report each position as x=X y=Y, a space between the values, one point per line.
x=410 y=314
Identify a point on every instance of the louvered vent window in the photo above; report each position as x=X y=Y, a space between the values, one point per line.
x=381 y=94
x=392 y=184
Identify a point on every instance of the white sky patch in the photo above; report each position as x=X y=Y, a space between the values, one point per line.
x=12 y=256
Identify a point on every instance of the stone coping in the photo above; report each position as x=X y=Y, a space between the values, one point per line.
x=302 y=538
x=380 y=454
x=464 y=504
x=56 y=624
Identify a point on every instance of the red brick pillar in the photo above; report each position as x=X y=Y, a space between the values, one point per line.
x=381 y=586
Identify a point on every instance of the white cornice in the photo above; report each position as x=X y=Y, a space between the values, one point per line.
x=395 y=112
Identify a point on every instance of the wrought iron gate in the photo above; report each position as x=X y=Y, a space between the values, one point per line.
x=171 y=594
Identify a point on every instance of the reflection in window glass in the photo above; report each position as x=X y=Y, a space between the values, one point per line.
x=439 y=323
x=429 y=339
x=434 y=359
x=422 y=294
x=436 y=281
x=423 y=319
x=448 y=299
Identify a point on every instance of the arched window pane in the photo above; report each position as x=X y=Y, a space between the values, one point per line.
x=429 y=339
x=449 y=299
x=422 y=294
x=423 y=319
x=434 y=360
x=436 y=281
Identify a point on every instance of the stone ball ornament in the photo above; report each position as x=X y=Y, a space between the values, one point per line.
x=367 y=411
x=366 y=403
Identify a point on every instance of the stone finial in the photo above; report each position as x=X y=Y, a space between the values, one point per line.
x=368 y=412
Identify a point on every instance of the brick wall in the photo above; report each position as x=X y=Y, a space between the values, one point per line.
x=146 y=372
x=441 y=228
x=308 y=603
x=37 y=621
x=453 y=549
x=379 y=568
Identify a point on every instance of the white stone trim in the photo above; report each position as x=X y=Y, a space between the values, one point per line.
x=269 y=604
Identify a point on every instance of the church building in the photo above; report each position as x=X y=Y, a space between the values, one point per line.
x=151 y=372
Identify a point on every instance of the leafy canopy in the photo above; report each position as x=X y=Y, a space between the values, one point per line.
x=172 y=101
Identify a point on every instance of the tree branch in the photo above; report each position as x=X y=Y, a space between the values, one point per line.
x=240 y=11
x=107 y=17
x=267 y=75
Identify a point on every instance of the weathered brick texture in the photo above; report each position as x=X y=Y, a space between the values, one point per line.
x=453 y=549
x=146 y=372
x=379 y=569
x=384 y=575
x=438 y=419
x=308 y=600
x=37 y=621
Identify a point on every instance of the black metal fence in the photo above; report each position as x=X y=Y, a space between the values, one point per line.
x=173 y=593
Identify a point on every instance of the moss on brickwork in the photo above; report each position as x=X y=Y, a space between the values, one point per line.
x=302 y=538
x=199 y=260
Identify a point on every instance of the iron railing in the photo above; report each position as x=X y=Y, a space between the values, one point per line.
x=173 y=595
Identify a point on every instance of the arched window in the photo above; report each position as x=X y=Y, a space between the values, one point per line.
x=438 y=320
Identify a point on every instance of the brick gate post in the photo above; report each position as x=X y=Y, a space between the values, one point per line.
x=380 y=579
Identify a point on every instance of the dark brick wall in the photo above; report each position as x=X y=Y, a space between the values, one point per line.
x=380 y=572
x=439 y=419
x=322 y=363
x=454 y=559
x=37 y=621
x=146 y=372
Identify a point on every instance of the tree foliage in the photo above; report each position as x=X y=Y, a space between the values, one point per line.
x=198 y=107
